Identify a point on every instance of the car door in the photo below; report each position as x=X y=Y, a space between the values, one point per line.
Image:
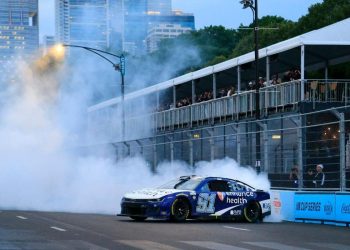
x=211 y=198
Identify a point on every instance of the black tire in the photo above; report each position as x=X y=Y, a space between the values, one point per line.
x=180 y=210
x=252 y=212
x=138 y=218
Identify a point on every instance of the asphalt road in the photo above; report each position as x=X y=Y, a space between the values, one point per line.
x=42 y=230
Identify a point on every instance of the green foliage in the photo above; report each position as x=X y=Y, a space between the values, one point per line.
x=215 y=44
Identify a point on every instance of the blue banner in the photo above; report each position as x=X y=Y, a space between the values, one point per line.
x=319 y=206
x=343 y=207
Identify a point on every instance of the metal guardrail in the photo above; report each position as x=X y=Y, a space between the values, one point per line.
x=273 y=98
x=242 y=104
x=327 y=90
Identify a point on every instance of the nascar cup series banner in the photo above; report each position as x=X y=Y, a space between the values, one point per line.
x=327 y=207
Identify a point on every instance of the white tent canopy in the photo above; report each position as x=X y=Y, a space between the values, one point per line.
x=334 y=34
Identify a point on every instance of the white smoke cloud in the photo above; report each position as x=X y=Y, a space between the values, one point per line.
x=40 y=171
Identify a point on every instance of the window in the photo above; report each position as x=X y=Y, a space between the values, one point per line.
x=218 y=186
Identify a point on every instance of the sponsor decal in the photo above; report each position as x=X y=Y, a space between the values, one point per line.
x=221 y=196
x=241 y=194
x=345 y=208
x=235 y=212
x=308 y=206
x=206 y=203
x=277 y=203
x=238 y=200
x=266 y=206
x=328 y=208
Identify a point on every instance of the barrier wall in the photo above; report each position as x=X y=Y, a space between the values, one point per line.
x=315 y=207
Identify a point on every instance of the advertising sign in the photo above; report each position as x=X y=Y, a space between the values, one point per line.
x=343 y=207
x=320 y=206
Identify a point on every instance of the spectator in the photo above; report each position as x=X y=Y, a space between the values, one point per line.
x=222 y=92
x=294 y=176
x=274 y=80
x=231 y=91
x=308 y=180
x=319 y=177
x=261 y=82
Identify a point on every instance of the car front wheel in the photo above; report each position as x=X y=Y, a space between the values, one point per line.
x=180 y=210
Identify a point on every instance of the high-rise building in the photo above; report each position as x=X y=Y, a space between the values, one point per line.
x=19 y=35
x=142 y=15
x=19 y=32
x=83 y=22
x=163 y=31
x=159 y=7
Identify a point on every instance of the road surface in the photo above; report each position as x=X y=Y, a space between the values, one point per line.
x=43 y=230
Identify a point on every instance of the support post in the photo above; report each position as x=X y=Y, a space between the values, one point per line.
x=342 y=167
x=266 y=149
x=154 y=154
x=238 y=140
x=238 y=79
x=302 y=72
x=214 y=86
x=190 y=145
x=174 y=96
x=193 y=91
x=212 y=144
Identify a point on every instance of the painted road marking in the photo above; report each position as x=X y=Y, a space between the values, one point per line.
x=146 y=245
x=59 y=229
x=212 y=245
x=21 y=217
x=275 y=245
x=237 y=228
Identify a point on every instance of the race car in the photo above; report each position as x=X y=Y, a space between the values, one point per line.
x=193 y=197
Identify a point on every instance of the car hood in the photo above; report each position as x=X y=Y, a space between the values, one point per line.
x=152 y=193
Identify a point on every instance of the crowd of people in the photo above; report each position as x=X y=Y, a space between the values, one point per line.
x=207 y=95
x=314 y=178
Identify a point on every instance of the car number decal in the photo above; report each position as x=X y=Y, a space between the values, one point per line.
x=206 y=203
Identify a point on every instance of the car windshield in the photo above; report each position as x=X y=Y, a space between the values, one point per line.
x=183 y=184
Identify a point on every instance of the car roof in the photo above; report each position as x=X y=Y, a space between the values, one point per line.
x=214 y=178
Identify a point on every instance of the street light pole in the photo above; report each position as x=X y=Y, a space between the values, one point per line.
x=117 y=66
x=254 y=8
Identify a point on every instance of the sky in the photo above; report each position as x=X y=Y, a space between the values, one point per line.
x=228 y=13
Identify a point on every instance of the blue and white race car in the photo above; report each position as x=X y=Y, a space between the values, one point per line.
x=198 y=197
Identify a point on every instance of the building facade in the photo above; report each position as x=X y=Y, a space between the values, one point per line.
x=137 y=27
x=159 y=7
x=18 y=28
x=19 y=34
x=83 y=22
x=163 y=31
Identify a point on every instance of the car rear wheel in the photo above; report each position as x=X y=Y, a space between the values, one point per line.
x=138 y=218
x=252 y=212
x=180 y=210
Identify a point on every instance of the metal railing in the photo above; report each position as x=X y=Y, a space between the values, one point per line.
x=274 y=98
x=331 y=90
x=281 y=96
x=242 y=104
